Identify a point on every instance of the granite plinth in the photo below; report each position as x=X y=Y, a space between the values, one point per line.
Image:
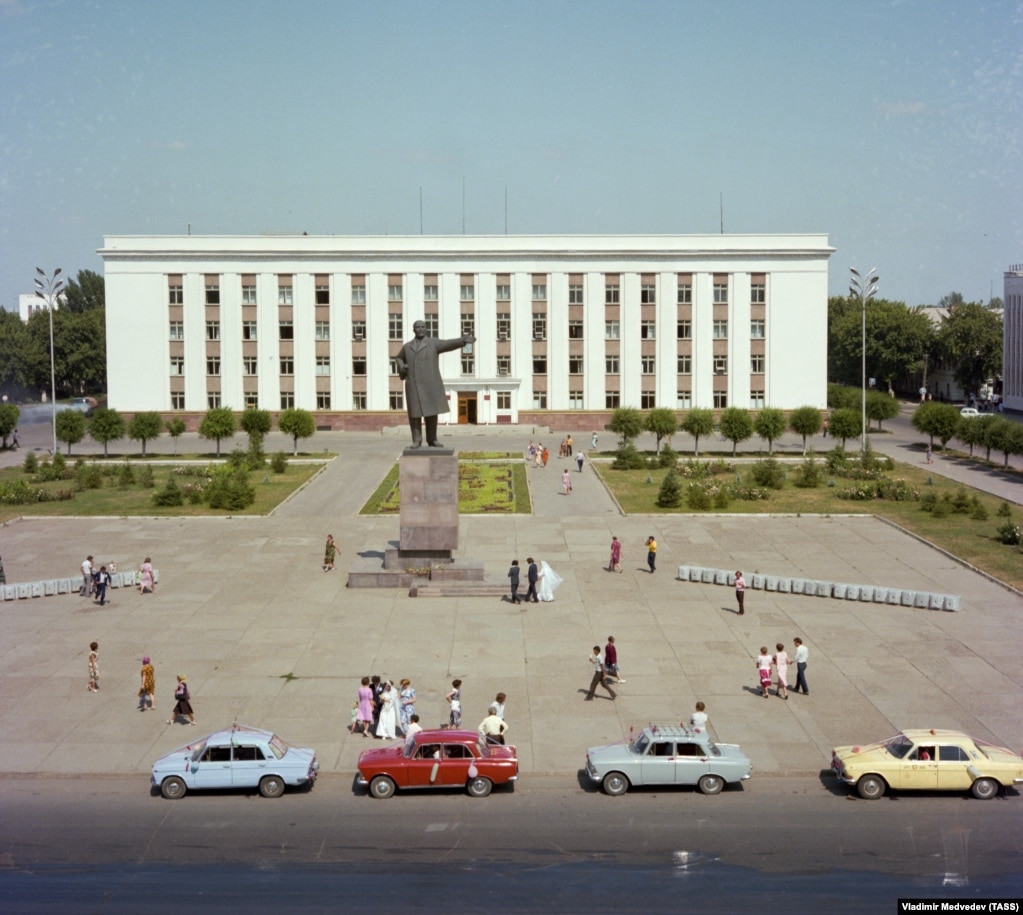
x=428 y=486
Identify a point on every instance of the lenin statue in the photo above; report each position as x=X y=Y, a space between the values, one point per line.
x=424 y=388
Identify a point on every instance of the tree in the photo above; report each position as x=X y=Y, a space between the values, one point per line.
x=70 y=427
x=9 y=415
x=175 y=428
x=256 y=424
x=298 y=424
x=970 y=341
x=881 y=407
x=627 y=423
x=663 y=423
x=88 y=292
x=770 y=426
x=698 y=422
x=105 y=426
x=670 y=494
x=1006 y=437
x=13 y=338
x=936 y=419
x=218 y=423
x=145 y=427
x=736 y=425
x=845 y=424
x=79 y=351
x=984 y=423
x=970 y=431
x=805 y=421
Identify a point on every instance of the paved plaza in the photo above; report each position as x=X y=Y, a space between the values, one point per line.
x=267 y=638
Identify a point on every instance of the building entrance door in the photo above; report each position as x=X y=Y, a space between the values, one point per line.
x=467 y=408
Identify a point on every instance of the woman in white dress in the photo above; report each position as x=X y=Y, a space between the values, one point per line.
x=549 y=581
x=388 y=713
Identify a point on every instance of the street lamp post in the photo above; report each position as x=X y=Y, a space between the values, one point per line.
x=49 y=289
x=863 y=288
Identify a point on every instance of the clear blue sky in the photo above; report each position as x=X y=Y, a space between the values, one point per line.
x=895 y=127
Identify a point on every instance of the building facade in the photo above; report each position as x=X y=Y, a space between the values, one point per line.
x=1012 y=345
x=565 y=325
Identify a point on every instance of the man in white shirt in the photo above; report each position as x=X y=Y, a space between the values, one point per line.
x=87 y=577
x=599 y=678
x=492 y=727
x=802 y=656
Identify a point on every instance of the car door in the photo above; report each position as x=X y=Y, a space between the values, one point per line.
x=657 y=765
x=248 y=766
x=691 y=762
x=953 y=762
x=213 y=768
x=454 y=766
x=919 y=769
x=422 y=769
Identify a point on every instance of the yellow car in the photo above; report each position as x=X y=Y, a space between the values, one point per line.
x=929 y=760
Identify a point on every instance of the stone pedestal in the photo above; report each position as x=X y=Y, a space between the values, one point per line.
x=428 y=483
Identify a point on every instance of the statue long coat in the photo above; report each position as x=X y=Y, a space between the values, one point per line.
x=419 y=366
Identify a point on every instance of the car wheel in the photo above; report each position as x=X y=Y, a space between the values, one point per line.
x=984 y=788
x=615 y=784
x=711 y=784
x=173 y=788
x=479 y=786
x=871 y=787
x=381 y=786
x=271 y=786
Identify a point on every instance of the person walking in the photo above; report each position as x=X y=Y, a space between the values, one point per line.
x=580 y=459
x=147 y=577
x=615 y=563
x=801 y=659
x=764 y=670
x=930 y=460
x=365 y=717
x=388 y=722
x=568 y=445
x=454 y=700
x=611 y=660
x=406 y=705
x=549 y=582
x=86 y=577
x=532 y=574
x=329 y=554
x=513 y=578
x=94 y=667
x=183 y=703
x=740 y=591
x=781 y=666
x=493 y=727
x=593 y=442
x=651 y=553
x=102 y=581
x=599 y=678
x=566 y=482
x=147 y=688
x=545 y=454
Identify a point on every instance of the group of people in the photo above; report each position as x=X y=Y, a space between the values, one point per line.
x=780 y=661
x=566 y=447
x=542 y=580
x=147 y=687
x=538 y=455
x=604 y=669
x=96 y=581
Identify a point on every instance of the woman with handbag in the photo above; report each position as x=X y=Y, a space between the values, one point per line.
x=183 y=705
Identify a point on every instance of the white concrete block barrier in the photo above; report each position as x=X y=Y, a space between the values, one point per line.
x=51 y=587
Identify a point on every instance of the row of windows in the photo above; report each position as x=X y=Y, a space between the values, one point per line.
x=467 y=293
x=648 y=400
x=395 y=329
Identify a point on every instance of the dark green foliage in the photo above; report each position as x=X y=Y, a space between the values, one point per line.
x=170 y=495
x=768 y=473
x=1010 y=534
x=298 y=424
x=238 y=459
x=961 y=501
x=145 y=427
x=928 y=501
x=279 y=462
x=219 y=423
x=230 y=489
x=628 y=458
x=670 y=495
x=809 y=474
x=1004 y=510
x=88 y=476
x=627 y=423
x=668 y=457
x=805 y=421
x=125 y=475
x=145 y=476
x=977 y=511
x=70 y=427
x=31 y=463
x=175 y=428
x=845 y=423
x=697 y=498
x=106 y=426
x=736 y=425
x=722 y=498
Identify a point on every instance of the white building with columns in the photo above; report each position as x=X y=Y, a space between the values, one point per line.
x=568 y=327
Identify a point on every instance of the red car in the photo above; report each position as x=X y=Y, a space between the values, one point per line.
x=439 y=759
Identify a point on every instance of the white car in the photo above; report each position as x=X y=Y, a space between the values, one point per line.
x=969 y=411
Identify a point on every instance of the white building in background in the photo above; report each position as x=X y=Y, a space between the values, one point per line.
x=567 y=327
x=1012 y=337
x=29 y=303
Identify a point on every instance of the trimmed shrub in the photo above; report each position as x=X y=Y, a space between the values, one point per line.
x=670 y=495
x=628 y=458
x=809 y=474
x=31 y=463
x=668 y=457
x=279 y=462
x=170 y=495
x=697 y=498
x=768 y=473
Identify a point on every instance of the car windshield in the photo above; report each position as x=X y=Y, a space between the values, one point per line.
x=278 y=747
x=898 y=746
x=639 y=745
x=198 y=750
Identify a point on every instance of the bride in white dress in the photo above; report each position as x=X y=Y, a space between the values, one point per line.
x=388 y=713
x=549 y=581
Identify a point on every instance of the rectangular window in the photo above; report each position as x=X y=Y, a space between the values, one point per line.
x=467 y=293
x=468 y=326
x=248 y=295
x=432 y=325
x=648 y=330
x=575 y=330
x=685 y=330
x=721 y=293
x=756 y=364
x=213 y=400
x=539 y=400
x=504 y=400
x=611 y=294
x=539 y=292
x=648 y=294
x=394 y=292
x=758 y=294
x=468 y=364
x=612 y=330
x=359 y=365
x=395 y=327
x=649 y=364
x=683 y=400
x=396 y=400
x=323 y=365
x=177 y=400
x=284 y=294
x=177 y=365
x=249 y=330
x=287 y=400
x=358 y=294
x=212 y=330
x=503 y=292
x=287 y=365
x=212 y=293
x=539 y=365
x=358 y=330
x=175 y=294
x=213 y=365
x=575 y=295
x=720 y=400
x=177 y=330
x=721 y=330
x=612 y=400
x=287 y=330
x=756 y=400
x=685 y=365
x=504 y=365
x=503 y=325
x=251 y=401
x=575 y=400
x=323 y=330
x=323 y=401
x=685 y=295
x=647 y=400
x=539 y=327
x=322 y=294
x=611 y=365
x=249 y=365
x=720 y=365
x=575 y=365
x=430 y=292
x=756 y=329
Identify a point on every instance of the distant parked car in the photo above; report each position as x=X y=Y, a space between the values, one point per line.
x=671 y=755
x=236 y=757
x=931 y=760
x=84 y=405
x=969 y=411
x=438 y=759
